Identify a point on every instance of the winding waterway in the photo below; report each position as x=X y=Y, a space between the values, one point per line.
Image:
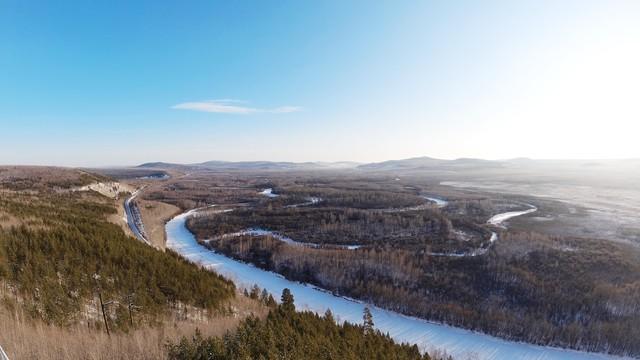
x=427 y=335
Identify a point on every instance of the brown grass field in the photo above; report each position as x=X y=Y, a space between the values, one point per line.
x=23 y=338
x=154 y=215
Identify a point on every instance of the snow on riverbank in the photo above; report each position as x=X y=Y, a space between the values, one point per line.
x=458 y=342
x=268 y=193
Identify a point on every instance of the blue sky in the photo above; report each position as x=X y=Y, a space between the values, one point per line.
x=97 y=83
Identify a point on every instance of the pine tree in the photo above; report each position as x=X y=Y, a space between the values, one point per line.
x=255 y=292
x=264 y=297
x=287 y=304
x=368 y=321
x=271 y=302
x=328 y=315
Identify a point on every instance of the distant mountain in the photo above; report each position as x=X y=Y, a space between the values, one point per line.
x=417 y=164
x=338 y=164
x=412 y=163
x=254 y=165
x=250 y=165
x=428 y=163
x=161 y=165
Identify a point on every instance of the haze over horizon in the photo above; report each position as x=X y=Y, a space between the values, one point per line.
x=341 y=163
x=116 y=83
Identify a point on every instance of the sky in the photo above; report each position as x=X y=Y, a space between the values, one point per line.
x=116 y=83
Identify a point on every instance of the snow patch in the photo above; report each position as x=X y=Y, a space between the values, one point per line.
x=499 y=219
x=269 y=193
x=109 y=189
x=439 y=202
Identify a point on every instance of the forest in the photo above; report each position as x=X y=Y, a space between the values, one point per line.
x=523 y=288
x=350 y=196
x=65 y=254
x=534 y=297
x=415 y=230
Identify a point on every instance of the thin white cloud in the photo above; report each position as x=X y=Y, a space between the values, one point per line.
x=285 y=109
x=230 y=106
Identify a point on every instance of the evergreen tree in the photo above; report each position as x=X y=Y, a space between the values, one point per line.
x=287 y=301
x=368 y=321
x=271 y=302
x=328 y=315
x=294 y=335
x=264 y=297
x=255 y=292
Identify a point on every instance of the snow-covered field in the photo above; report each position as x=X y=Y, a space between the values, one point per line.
x=457 y=342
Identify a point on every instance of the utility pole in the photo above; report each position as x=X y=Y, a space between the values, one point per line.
x=103 y=305
x=104 y=315
x=131 y=307
x=130 y=315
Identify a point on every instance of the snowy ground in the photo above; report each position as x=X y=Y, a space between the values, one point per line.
x=499 y=219
x=458 y=342
x=439 y=202
x=109 y=189
x=268 y=193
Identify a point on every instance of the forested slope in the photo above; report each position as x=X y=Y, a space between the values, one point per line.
x=62 y=253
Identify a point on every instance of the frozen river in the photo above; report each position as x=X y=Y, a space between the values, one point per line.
x=458 y=342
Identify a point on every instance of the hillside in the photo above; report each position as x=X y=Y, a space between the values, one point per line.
x=60 y=252
x=74 y=286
